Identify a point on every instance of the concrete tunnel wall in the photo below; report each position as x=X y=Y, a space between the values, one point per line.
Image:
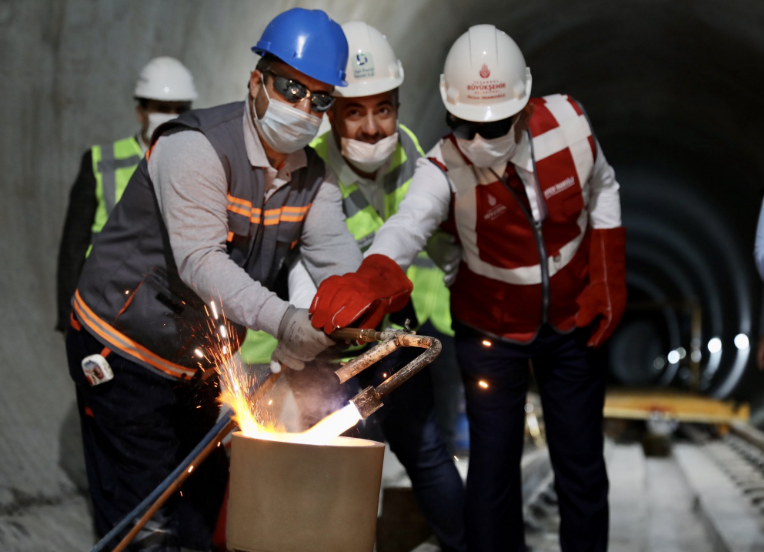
x=672 y=89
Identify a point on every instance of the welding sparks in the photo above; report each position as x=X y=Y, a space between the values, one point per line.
x=483 y=384
x=199 y=353
x=190 y=468
x=238 y=391
x=487 y=343
x=214 y=310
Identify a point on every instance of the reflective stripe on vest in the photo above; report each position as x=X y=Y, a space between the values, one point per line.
x=499 y=286
x=113 y=165
x=430 y=295
x=120 y=342
x=552 y=159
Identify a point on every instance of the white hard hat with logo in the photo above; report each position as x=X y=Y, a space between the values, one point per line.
x=165 y=79
x=372 y=65
x=485 y=78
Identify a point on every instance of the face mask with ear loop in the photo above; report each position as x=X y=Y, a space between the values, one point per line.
x=284 y=128
x=369 y=157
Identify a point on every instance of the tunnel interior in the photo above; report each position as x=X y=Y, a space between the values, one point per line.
x=672 y=90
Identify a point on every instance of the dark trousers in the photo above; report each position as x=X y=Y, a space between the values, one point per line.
x=136 y=429
x=407 y=422
x=572 y=394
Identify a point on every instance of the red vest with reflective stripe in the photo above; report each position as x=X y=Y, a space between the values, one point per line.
x=499 y=286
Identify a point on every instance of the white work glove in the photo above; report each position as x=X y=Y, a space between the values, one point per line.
x=299 y=342
x=446 y=253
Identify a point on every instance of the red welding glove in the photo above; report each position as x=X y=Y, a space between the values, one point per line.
x=378 y=287
x=604 y=300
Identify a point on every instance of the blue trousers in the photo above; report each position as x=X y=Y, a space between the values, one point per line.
x=136 y=429
x=572 y=392
x=407 y=422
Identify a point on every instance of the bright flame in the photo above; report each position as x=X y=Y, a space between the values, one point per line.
x=483 y=384
x=254 y=417
x=332 y=426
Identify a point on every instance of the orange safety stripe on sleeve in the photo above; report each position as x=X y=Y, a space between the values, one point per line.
x=120 y=341
x=230 y=236
x=105 y=352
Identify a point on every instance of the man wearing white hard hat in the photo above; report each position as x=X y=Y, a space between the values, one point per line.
x=374 y=158
x=164 y=90
x=523 y=184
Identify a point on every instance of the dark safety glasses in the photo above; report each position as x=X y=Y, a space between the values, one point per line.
x=466 y=130
x=294 y=92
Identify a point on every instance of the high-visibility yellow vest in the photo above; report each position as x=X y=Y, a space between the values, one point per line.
x=113 y=165
x=430 y=297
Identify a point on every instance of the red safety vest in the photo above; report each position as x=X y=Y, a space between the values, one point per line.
x=502 y=288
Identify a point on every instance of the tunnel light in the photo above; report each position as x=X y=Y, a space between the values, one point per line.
x=696 y=355
x=673 y=357
x=659 y=363
x=741 y=341
x=682 y=352
x=714 y=345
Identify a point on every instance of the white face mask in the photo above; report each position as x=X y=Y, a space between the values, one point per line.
x=369 y=157
x=489 y=153
x=156 y=119
x=284 y=128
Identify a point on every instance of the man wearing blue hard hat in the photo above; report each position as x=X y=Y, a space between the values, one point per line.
x=213 y=213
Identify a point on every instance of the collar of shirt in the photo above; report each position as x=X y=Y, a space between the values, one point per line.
x=372 y=190
x=274 y=178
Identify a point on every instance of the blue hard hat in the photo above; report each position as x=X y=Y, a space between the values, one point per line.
x=308 y=40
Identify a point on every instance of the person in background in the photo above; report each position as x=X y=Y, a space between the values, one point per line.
x=164 y=90
x=758 y=255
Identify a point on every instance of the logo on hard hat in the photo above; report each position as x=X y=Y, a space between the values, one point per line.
x=485 y=72
x=363 y=65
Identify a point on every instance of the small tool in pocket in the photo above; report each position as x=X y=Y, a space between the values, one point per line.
x=97 y=370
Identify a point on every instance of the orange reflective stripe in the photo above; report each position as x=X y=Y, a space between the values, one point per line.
x=274 y=216
x=239 y=201
x=74 y=322
x=123 y=343
x=230 y=236
x=288 y=209
x=105 y=352
x=244 y=208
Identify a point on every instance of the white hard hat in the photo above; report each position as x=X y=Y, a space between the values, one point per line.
x=165 y=79
x=372 y=65
x=485 y=78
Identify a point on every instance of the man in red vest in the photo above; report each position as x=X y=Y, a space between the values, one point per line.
x=523 y=186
